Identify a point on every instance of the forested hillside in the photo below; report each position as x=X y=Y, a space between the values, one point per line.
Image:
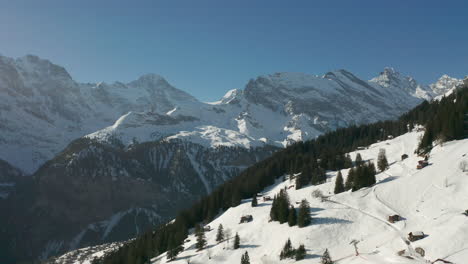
x=444 y=120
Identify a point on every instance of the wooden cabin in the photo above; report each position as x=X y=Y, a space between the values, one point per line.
x=404 y=156
x=422 y=164
x=246 y=219
x=394 y=218
x=413 y=236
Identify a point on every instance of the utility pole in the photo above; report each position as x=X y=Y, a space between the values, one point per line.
x=354 y=243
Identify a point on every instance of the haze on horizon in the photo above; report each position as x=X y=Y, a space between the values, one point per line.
x=208 y=47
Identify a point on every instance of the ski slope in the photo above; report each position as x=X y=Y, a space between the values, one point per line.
x=430 y=200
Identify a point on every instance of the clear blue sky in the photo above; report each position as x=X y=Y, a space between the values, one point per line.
x=208 y=47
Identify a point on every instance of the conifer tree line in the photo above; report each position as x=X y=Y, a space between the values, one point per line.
x=449 y=120
x=443 y=119
x=360 y=176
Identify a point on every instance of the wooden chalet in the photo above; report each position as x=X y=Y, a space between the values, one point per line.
x=413 y=236
x=394 y=218
x=246 y=219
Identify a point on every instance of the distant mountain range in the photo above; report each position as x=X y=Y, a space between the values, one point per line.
x=109 y=161
x=42 y=109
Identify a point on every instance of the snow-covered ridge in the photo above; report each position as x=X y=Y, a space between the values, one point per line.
x=42 y=109
x=431 y=200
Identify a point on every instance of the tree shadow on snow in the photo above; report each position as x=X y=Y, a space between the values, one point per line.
x=389 y=179
x=186 y=257
x=329 y=221
x=316 y=209
x=312 y=256
x=249 y=246
x=261 y=204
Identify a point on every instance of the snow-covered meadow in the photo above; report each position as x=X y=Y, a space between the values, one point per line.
x=430 y=200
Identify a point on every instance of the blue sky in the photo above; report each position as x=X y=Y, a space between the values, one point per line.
x=207 y=47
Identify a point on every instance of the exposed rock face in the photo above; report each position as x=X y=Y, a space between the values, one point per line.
x=9 y=177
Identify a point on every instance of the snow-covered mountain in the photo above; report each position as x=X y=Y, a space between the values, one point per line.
x=42 y=109
x=431 y=200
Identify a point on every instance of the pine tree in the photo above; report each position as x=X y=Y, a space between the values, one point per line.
x=305 y=177
x=319 y=176
x=236 y=241
x=382 y=162
x=254 y=200
x=173 y=249
x=220 y=234
x=300 y=252
x=358 y=178
x=303 y=217
x=201 y=240
x=326 y=259
x=245 y=258
x=358 y=160
x=349 y=180
x=274 y=209
x=372 y=172
x=339 y=185
x=292 y=217
x=287 y=251
x=348 y=162
x=280 y=207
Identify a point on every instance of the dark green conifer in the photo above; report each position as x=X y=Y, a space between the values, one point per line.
x=236 y=241
x=339 y=185
x=292 y=217
x=201 y=240
x=220 y=234
x=287 y=251
x=303 y=217
x=349 y=180
x=382 y=162
x=254 y=200
x=300 y=252
x=326 y=258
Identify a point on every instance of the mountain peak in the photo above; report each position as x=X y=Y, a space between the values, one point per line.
x=390 y=77
x=151 y=79
x=34 y=65
x=445 y=84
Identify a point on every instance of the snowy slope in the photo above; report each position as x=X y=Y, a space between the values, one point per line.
x=430 y=200
x=42 y=109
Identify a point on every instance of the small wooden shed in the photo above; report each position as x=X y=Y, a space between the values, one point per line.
x=417 y=235
x=246 y=219
x=394 y=218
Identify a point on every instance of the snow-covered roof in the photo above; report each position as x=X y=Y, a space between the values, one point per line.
x=418 y=233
